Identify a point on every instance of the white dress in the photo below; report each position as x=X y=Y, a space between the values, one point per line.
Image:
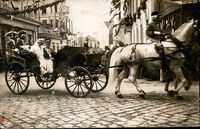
x=46 y=65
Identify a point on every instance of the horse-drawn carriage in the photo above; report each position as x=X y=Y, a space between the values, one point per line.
x=82 y=72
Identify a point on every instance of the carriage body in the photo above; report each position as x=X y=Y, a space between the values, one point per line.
x=79 y=56
x=22 y=64
x=98 y=71
x=27 y=58
x=68 y=62
x=94 y=60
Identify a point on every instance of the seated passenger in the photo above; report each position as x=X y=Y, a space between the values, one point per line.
x=20 y=39
x=46 y=65
x=48 y=52
x=11 y=43
x=48 y=55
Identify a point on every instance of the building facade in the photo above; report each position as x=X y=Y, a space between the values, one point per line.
x=173 y=14
x=54 y=14
x=15 y=23
x=138 y=12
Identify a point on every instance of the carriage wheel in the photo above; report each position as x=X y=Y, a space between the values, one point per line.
x=17 y=78
x=46 y=81
x=100 y=80
x=78 y=82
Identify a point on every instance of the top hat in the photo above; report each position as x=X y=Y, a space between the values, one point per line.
x=155 y=13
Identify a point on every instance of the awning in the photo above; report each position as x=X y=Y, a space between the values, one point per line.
x=49 y=35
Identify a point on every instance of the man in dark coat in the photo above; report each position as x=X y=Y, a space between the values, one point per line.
x=48 y=52
x=21 y=38
x=153 y=29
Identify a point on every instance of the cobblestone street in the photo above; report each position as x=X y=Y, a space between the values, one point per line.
x=55 y=108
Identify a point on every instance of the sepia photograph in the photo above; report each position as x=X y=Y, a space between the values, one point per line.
x=99 y=63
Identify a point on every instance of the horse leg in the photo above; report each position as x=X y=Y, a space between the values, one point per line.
x=132 y=77
x=189 y=83
x=182 y=80
x=167 y=83
x=171 y=92
x=167 y=86
x=119 y=80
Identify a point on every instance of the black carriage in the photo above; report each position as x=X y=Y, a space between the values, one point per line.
x=82 y=72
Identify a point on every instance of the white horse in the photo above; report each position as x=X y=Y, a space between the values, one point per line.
x=130 y=57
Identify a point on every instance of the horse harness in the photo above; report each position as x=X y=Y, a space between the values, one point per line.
x=162 y=56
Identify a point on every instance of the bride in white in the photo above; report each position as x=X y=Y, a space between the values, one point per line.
x=46 y=65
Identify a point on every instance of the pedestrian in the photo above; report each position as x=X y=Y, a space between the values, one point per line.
x=154 y=31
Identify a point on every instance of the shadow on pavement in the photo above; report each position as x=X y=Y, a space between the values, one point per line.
x=152 y=96
x=52 y=92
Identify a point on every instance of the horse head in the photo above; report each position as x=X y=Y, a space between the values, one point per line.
x=185 y=31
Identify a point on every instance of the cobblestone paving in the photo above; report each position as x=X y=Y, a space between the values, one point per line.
x=38 y=108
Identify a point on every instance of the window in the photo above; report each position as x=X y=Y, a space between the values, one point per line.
x=44 y=11
x=56 y=22
x=44 y=22
x=51 y=23
x=35 y=11
x=29 y=40
x=57 y=46
x=51 y=9
x=56 y=9
x=53 y=44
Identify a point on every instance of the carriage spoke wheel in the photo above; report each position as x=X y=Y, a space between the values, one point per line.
x=100 y=81
x=46 y=81
x=78 y=82
x=17 y=78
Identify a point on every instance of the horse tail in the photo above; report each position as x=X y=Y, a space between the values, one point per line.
x=113 y=71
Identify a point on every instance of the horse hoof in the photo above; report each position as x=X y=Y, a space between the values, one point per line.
x=119 y=96
x=142 y=95
x=170 y=93
x=180 y=97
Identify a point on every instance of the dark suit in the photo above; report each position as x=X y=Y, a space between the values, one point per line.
x=151 y=28
x=48 y=55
